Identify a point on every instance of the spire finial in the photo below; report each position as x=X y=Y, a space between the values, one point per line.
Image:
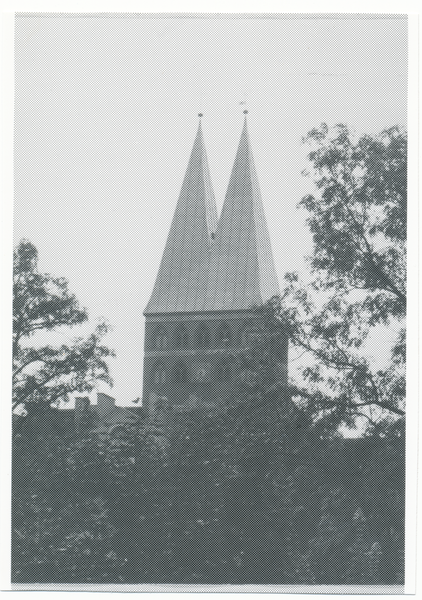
x=200 y=115
x=244 y=103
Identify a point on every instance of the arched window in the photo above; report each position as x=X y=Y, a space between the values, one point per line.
x=203 y=338
x=224 y=336
x=180 y=372
x=224 y=370
x=181 y=337
x=159 y=374
x=160 y=339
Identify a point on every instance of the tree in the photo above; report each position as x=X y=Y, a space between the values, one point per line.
x=70 y=509
x=44 y=374
x=358 y=222
x=357 y=219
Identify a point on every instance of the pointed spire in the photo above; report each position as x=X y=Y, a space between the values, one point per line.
x=181 y=280
x=242 y=272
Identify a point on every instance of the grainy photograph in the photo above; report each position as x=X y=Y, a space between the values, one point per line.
x=209 y=302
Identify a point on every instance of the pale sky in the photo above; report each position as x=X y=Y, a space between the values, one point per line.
x=105 y=118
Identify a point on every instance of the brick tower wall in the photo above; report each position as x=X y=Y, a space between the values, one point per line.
x=189 y=358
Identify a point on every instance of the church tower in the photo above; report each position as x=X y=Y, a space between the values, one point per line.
x=211 y=278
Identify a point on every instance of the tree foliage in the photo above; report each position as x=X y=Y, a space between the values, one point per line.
x=210 y=506
x=357 y=219
x=43 y=374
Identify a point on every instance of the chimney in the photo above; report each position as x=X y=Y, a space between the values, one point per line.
x=105 y=404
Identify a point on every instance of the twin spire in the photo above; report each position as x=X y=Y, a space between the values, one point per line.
x=216 y=267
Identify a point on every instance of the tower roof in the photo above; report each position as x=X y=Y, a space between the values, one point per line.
x=181 y=280
x=241 y=272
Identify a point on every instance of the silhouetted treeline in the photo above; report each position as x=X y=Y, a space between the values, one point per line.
x=210 y=502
